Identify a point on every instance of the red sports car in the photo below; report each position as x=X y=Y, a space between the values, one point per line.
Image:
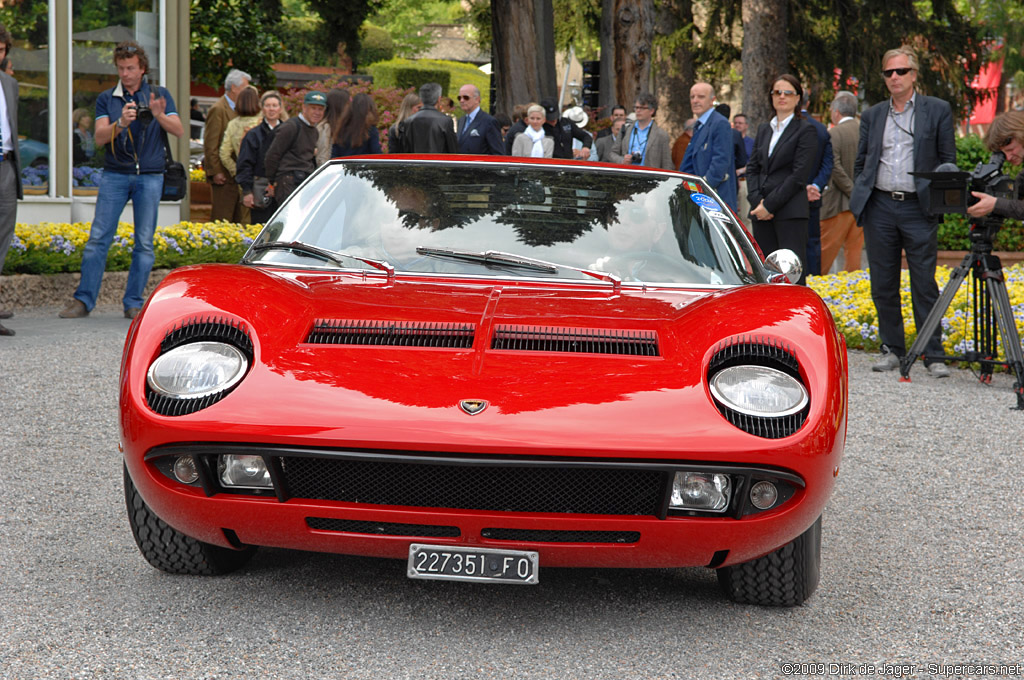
x=488 y=368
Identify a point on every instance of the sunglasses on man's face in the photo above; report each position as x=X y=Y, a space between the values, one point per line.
x=464 y=98
x=898 y=71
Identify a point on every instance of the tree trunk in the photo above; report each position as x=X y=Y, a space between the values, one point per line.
x=523 y=51
x=674 y=67
x=765 y=34
x=632 y=35
x=607 y=96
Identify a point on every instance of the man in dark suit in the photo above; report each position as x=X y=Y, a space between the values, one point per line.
x=710 y=152
x=10 y=162
x=820 y=174
x=429 y=130
x=907 y=133
x=479 y=133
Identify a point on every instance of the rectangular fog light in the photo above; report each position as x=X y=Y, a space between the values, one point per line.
x=701 y=491
x=244 y=472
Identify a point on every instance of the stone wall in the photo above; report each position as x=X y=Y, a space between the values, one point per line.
x=20 y=291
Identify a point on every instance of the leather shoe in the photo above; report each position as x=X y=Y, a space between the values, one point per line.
x=938 y=370
x=888 y=362
x=4 y=330
x=75 y=310
x=131 y=312
x=6 y=314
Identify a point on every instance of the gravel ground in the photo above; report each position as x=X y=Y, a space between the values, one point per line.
x=922 y=561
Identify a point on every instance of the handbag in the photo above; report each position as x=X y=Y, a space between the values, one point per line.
x=175 y=179
x=259 y=192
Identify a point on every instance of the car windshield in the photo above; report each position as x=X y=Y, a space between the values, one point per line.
x=511 y=219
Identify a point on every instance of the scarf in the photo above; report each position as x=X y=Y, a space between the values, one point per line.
x=538 y=137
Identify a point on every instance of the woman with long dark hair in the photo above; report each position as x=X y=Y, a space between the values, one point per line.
x=778 y=172
x=357 y=133
x=338 y=101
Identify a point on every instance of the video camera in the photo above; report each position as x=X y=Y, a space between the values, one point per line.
x=950 y=188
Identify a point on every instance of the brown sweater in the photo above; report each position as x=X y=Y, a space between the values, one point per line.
x=293 y=149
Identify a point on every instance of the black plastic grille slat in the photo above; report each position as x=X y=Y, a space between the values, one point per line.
x=599 y=491
x=759 y=351
x=583 y=340
x=393 y=333
x=352 y=526
x=552 y=536
x=209 y=329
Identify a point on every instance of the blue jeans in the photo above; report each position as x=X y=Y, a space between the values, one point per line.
x=116 y=189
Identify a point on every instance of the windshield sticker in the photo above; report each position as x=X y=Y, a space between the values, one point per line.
x=718 y=215
x=705 y=201
x=692 y=186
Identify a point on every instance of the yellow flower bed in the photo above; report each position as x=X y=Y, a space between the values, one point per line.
x=51 y=247
x=848 y=295
x=197 y=175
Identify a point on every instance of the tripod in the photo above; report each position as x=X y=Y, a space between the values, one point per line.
x=992 y=312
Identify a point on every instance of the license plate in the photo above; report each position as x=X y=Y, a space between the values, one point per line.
x=472 y=564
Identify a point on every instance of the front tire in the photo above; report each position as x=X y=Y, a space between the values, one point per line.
x=784 y=578
x=169 y=550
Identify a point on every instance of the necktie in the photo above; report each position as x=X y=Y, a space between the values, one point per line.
x=697 y=127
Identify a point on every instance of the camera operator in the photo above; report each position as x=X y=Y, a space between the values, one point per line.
x=1006 y=134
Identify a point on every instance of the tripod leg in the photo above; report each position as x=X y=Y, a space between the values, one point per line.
x=924 y=333
x=1008 y=332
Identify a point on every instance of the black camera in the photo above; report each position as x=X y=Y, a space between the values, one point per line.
x=143 y=114
x=636 y=159
x=950 y=188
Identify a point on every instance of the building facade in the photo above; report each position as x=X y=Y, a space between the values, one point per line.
x=62 y=59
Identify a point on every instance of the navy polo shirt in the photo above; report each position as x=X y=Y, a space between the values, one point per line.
x=139 y=149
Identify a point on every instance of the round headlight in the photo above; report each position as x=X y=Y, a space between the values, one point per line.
x=197 y=370
x=758 y=391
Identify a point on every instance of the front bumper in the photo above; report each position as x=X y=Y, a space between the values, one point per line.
x=574 y=512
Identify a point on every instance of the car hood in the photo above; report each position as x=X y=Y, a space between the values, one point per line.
x=592 y=369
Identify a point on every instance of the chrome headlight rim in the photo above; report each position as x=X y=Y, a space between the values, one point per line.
x=240 y=371
x=726 y=401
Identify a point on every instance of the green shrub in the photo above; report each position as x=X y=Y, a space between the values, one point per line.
x=377 y=46
x=403 y=74
x=301 y=40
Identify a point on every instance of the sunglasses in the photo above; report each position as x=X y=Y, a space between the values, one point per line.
x=464 y=98
x=898 y=71
x=782 y=93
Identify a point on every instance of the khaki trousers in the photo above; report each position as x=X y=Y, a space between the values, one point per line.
x=841 y=231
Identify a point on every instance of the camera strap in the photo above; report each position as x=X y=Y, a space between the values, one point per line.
x=913 y=113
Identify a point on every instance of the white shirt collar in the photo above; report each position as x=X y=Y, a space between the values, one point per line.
x=779 y=127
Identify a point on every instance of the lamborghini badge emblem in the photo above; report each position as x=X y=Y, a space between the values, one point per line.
x=473 y=406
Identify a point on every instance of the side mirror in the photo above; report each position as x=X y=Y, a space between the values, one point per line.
x=786 y=265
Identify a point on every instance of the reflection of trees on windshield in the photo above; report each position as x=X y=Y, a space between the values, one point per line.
x=543 y=206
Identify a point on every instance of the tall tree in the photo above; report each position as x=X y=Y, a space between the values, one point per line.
x=522 y=52
x=632 y=47
x=343 y=19
x=230 y=34
x=674 y=63
x=765 y=35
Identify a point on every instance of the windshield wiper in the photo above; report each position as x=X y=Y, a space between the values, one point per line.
x=491 y=257
x=325 y=254
x=521 y=261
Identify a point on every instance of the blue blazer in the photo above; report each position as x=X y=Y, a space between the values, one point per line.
x=710 y=155
x=482 y=138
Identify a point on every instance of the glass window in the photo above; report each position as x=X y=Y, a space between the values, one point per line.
x=521 y=220
x=28 y=62
x=97 y=28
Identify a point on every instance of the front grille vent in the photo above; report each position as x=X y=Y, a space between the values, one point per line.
x=209 y=329
x=553 y=536
x=759 y=351
x=352 y=526
x=394 y=333
x=597 y=491
x=579 y=340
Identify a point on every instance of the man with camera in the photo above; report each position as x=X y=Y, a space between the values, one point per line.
x=643 y=142
x=132 y=120
x=1006 y=135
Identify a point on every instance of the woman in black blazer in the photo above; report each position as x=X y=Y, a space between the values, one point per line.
x=777 y=174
